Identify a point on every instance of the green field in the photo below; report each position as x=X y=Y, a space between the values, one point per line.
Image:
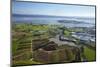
x=23 y=34
x=90 y=54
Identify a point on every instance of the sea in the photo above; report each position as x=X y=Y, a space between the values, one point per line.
x=84 y=21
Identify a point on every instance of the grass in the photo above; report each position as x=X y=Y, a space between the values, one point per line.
x=21 y=40
x=24 y=62
x=14 y=46
x=67 y=33
x=24 y=33
x=89 y=53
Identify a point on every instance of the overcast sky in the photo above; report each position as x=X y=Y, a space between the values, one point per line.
x=32 y=8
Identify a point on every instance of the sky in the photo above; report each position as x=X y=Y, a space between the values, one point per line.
x=31 y=8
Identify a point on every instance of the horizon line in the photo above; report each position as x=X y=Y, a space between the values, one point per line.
x=51 y=15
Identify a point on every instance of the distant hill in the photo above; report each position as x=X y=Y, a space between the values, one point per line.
x=72 y=21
